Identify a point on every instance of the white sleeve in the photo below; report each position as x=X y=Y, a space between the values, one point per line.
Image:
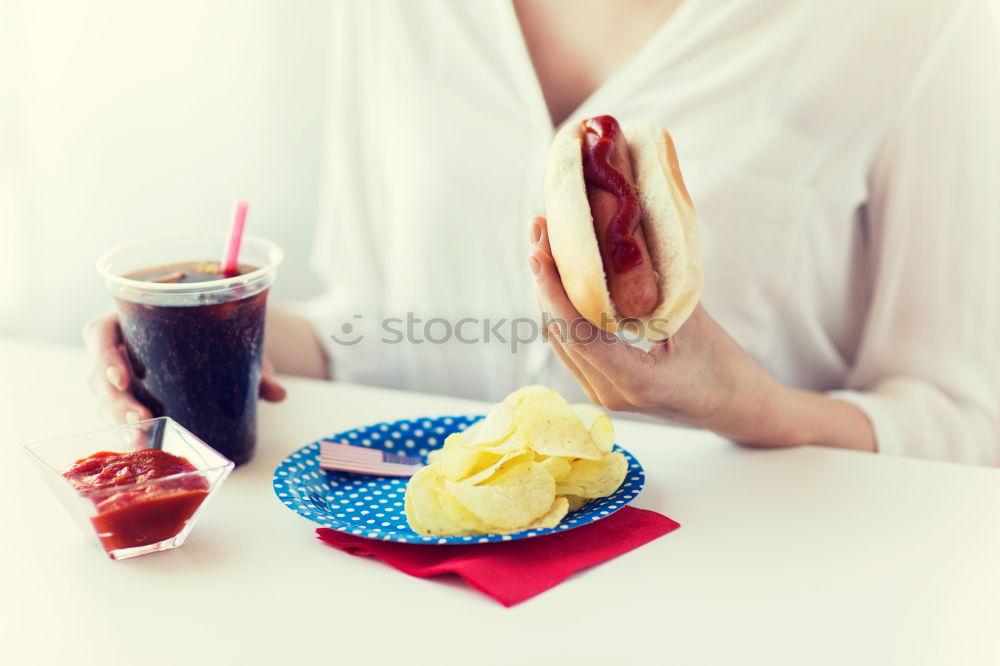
x=927 y=370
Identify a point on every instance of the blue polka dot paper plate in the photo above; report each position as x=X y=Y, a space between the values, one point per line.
x=372 y=506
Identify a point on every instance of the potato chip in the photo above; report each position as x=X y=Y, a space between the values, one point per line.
x=603 y=433
x=515 y=442
x=464 y=518
x=598 y=425
x=548 y=520
x=510 y=500
x=453 y=440
x=460 y=461
x=496 y=427
x=529 y=462
x=450 y=442
x=552 y=427
x=411 y=514
x=551 y=518
x=506 y=462
x=423 y=507
x=557 y=466
x=515 y=398
x=470 y=432
x=594 y=478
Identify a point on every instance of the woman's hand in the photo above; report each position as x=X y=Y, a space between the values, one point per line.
x=699 y=377
x=111 y=376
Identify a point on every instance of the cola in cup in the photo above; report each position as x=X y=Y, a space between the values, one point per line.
x=194 y=334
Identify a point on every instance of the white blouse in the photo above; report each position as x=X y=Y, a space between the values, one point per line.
x=844 y=159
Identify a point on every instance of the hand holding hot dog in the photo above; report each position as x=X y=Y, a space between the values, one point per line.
x=604 y=265
x=699 y=377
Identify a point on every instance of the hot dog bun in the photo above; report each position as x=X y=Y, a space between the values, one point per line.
x=669 y=222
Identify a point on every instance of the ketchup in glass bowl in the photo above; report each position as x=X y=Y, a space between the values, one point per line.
x=133 y=489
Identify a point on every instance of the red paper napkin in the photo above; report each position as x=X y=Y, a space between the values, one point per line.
x=512 y=571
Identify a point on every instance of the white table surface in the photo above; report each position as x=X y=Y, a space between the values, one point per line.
x=804 y=556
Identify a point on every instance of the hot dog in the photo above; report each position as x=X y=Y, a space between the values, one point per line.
x=623 y=230
x=617 y=215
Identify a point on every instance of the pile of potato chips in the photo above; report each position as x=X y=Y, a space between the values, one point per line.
x=532 y=459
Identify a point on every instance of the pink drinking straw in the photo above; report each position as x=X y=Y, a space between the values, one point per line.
x=230 y=264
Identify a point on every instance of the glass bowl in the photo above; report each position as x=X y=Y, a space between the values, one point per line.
x=133 y=517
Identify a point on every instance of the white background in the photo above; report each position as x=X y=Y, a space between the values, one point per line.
x=127 y=119
x=122 y=119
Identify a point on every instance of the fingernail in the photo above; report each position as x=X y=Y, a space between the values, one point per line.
x=536 y=267
x=536 y=232
x=131 y=417
x=114 y=375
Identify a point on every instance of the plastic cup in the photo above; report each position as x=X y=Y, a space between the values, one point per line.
x=195 y=348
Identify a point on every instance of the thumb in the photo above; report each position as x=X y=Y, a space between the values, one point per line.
x=270 y=389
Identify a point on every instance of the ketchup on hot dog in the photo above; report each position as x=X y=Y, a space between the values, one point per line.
x=617 y=214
